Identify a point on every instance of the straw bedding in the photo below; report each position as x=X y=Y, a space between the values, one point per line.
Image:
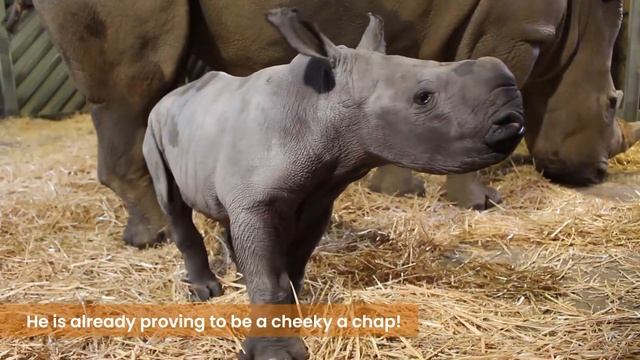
x=551 y=273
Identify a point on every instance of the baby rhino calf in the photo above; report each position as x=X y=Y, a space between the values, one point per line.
x=267 y=155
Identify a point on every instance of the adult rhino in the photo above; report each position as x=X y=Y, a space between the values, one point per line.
x=125 y=55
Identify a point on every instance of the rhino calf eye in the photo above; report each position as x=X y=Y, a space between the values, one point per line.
x=422 y=97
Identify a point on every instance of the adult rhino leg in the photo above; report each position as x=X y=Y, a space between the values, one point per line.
x=468 y=191
x=123 y=56
x=394 y=180
x=122 y=168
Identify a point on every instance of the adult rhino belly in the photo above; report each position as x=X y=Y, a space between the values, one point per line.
x=241 y=41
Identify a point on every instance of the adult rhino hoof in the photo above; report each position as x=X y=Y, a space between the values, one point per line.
x=273 y=349
x=479 y=197
x=143 y=236
x=396 y=181
x=205 y=289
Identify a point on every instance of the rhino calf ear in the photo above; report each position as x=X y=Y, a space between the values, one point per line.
x=301 y=35
x=373 y=37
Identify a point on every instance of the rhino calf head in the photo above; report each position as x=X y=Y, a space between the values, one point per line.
x=428 y=116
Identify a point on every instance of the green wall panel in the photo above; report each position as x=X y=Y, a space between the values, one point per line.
x=43 y=87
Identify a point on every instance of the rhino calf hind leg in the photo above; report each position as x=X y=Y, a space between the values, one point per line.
x=204 y=284
x=393 y=180
x=121 y=167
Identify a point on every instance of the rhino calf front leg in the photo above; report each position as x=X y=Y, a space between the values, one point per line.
x=468 y=191
x=393 y=180
x=260 y=238
x=312 y=224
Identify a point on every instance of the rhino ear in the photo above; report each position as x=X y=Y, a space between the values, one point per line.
x=373 y=37
x=301 y=35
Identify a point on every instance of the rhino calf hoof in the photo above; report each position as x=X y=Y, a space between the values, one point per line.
x=273 y=349
x=205 y=289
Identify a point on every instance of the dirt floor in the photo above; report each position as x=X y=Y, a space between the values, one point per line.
x=551 y=273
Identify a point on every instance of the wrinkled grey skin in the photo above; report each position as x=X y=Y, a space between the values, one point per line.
x=125 y=55
x=267 y=155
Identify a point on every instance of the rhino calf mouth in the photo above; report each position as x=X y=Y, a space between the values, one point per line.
x=505 y=133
